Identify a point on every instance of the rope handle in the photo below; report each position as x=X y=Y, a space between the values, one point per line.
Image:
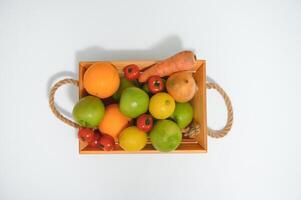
x=224 y=131
x=51 y=101
x=213 y=133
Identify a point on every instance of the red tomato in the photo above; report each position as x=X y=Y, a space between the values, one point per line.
x=145 y=122
x=95 y=141
x=155 y=84
x=106 y=142
x=86 y=134
x=131 y=72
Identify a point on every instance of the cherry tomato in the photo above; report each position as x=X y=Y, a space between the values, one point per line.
x=106 y=142
x=95 y=140
x=131 y=72
x=86 y=134
x=155 y=84
x=145 y=122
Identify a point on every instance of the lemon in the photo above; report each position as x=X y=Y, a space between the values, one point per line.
x=161 y=105
x=132 y=139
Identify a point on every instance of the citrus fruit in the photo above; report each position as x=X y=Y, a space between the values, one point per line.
x=132 y=139
x=133 y=102
x=113 y=121
x=165 y=136
x=183 y=114
x=161 y=105
x=88 y=111
x=101 y=79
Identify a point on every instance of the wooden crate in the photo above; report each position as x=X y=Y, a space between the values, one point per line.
x=197 y=145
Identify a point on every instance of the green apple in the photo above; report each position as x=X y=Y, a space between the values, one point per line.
x=124 y=83
x=133 y=102
x=166 y=135
x=88 y=111
x=183 y=114
x=145 y=88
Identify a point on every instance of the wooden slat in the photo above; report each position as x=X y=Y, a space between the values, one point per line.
x=183 y=148
x=199 y=104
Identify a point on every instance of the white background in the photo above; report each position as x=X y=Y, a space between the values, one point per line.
x=252 y=48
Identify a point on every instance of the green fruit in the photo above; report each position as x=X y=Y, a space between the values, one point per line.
x=133 y=102
x=132 y=139
x=145 y=88
x=88 y=111
x=166 y=135
x=183 y=114
x=124 y=83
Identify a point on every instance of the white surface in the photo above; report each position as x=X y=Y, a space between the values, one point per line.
x=252 y=48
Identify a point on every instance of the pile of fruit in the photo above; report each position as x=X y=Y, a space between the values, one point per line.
x=128 y=108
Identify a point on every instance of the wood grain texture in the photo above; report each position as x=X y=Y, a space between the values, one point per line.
x=199 y=104
x=198 y=145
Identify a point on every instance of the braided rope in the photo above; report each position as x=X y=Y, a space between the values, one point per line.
x=51 y=101
x=222 y=132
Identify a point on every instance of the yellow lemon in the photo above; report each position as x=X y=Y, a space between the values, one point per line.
x=132 y=139
x=161 y=105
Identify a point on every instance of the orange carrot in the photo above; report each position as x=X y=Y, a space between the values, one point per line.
x=184 y=60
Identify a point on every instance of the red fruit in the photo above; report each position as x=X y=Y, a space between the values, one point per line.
x=86 y=134
x=145 y=122
x=131 y=72
x=95 y=141
x=106 y=142
x=155 y=84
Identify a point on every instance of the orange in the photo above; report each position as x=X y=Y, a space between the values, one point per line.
x=113 y=121
x=101 y=79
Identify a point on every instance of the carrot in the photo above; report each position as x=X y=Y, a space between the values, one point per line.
x=184 y=60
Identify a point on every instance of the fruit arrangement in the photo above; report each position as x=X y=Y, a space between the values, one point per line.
x=129 y=107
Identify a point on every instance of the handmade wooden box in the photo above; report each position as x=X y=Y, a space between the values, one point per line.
x=197 y=145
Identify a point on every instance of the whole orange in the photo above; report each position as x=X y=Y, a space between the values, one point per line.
x=113 y=121
x=101 y=79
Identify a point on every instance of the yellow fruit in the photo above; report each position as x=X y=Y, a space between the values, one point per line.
x=101 y=80
x=161 y=105
x=132 y=139
x=113 y=121
x=181 y=86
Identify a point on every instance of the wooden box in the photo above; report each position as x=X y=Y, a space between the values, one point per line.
x=197 y=145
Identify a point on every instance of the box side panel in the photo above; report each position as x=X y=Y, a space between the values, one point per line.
x=199 y=105
x=148 y=149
